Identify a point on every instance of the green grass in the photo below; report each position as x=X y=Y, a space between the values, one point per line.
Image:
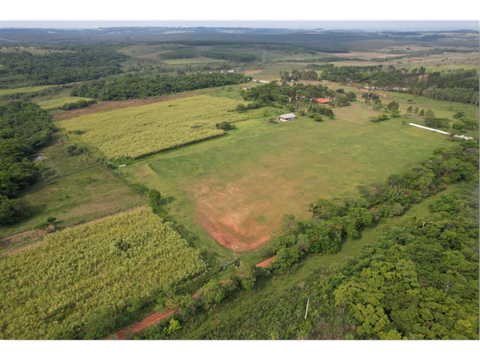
x=237 y=188
x=81 y=190
x=23 y=90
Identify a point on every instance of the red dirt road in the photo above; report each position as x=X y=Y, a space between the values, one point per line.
x=267 y=262
x=156 y=317
x=143 y=324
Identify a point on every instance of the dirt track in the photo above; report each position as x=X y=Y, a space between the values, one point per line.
x=159 y=316
x=143 y=324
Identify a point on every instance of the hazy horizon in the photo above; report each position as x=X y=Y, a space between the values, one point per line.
x=405 y=25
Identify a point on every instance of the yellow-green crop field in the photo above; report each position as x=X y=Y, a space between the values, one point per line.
x=54 y=289
x=56 y=103
x=145 y=130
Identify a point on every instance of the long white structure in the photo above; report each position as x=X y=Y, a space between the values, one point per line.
x=442 y=132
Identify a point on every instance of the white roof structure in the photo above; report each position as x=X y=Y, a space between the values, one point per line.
x=288 y=116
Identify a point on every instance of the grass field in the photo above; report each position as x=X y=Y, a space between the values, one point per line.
x=81 y=190
x=88 y=270
x=236 y=188
x=149 y=129
x=23 y=90
x=58 y=102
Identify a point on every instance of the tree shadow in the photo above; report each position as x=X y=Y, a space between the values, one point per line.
x=165 y=201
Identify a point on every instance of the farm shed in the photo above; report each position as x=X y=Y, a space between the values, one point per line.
x=287 y=117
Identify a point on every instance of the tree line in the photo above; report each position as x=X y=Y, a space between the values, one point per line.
x=24 y=129
x=457 y=86
x=129 y=87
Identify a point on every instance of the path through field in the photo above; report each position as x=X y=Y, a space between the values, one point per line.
x=159 y=316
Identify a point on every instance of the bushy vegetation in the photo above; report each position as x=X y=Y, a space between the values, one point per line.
x=297 y=97
x=73 y=63
x=124 y=88
x=24 y=129
x=88 y=276
x=419 y=281
x=457 y=86
x=66 y=103
x=141 y=131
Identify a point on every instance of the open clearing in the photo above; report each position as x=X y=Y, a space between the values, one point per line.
x=23 y=90
x=236 y=188
x=56 y=103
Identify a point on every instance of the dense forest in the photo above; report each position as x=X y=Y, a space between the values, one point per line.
x=24 y=129
x=66 y=64
x=124 y=88
x=458 y=86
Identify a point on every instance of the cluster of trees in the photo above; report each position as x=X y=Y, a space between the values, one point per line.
x=298 y=75
x=124 y=88
x=78 y=105
x=299 y=97
x=458 y=86
x=419 y=281
x=345 y=217
x=280 y=95
x=464 y=122
x=73 y=63
x=24 y=129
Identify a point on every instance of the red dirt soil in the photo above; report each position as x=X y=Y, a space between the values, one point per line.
x=143 y=324
x=268 y=262
x=159 y=316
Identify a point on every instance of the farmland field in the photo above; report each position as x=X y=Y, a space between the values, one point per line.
x=149 y=129
x=82 y=271
x=236 y=189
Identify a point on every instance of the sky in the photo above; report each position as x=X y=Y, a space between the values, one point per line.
x=329 y=25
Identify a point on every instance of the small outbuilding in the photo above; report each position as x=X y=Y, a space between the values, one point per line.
x=287 y=117
x=322 y=101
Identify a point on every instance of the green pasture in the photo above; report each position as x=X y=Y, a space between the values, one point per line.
x=58 y=102
x=239 y=186
x=23 y=90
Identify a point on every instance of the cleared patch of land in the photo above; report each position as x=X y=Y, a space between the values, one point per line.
x=145 y=130
x=83 y=271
